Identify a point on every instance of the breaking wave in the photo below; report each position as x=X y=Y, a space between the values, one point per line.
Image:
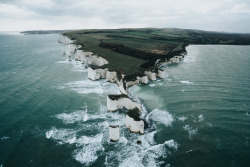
x=160 y=116
x=123 y=153
x=87 y=87
x=186 y=82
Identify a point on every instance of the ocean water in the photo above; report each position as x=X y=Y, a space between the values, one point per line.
x=52 y=115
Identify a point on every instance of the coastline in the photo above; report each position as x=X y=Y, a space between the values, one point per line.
x=198 y=105
x=135 y=120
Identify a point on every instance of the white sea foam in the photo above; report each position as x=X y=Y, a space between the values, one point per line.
x=209 y=124
x=134 y=160
x=89 y=139
x=85 y=115
x=149 y=137
x=160 y=150
x=188 y=151
x=186 y=82
x=4 y=138
x=73 y=117
x=189 y=59
x=88 y=154
x=62 y=135
x=80 y=70
x=109 y=88
x=145 y=154
x=144 y=112
x=87 y=86
x=49 y=133
x=156 y=84
x=191 y=131
x=200 y=118
x=123 y=140
x=172 y=144
x=152 y=85
x=63 y=62
x=182 y=118
x=161 y=116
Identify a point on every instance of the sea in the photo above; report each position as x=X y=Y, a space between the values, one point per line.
x=52 y=115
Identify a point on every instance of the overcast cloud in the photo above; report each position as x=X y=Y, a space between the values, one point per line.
x=214 y=15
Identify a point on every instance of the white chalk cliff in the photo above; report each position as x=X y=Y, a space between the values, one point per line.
x=134 y=126
x=65 y=40
x=160 y=74
x=111 y=76
x=151 y=75
x=115 y=102
x=114 y=133
x=176 y=59
x=143 y=79
x=95 y=74
x=89 y=59
x=72 y=48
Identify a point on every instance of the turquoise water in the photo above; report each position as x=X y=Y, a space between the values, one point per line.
x=52 y=115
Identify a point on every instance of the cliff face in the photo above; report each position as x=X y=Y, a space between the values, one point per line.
x=160 y=74
x=151 y=75
x=95 y=74
x=111 y=76
x=121 y=102
x=143 y=79
x=72 y=48
x=90 y=59
x=134 y=126
x=65 y=40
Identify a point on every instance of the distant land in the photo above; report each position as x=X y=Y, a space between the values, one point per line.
x=132 y=50
x=44 y=32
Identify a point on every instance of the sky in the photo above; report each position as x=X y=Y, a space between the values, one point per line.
x=211 y=15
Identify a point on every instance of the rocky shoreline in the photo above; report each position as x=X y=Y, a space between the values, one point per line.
x=97 y=70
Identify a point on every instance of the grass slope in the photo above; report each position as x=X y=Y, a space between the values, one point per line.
x=133 y=50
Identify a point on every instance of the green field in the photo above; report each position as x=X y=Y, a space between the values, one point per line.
x=133 y=50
